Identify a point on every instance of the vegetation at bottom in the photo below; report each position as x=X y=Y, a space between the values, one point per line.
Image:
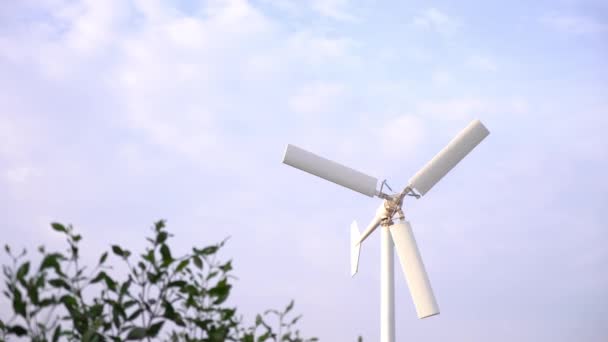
x=162 y=297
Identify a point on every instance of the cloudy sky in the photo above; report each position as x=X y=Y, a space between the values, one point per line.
x=114 y=114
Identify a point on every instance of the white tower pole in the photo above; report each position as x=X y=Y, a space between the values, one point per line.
x=387 y=286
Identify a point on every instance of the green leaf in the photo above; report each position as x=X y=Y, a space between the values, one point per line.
x=153 y=277
x=202 y=323
x=103 y=258
x=69 y=302
x=99 y=277
x=197 y=261
x=226 y=267
x=165 y=253
x=58 y=282
x=182 y=265
x=125 y=287
x=74 y=251
x=293 y=321
x=289 y=307
x=177 y=283
x=58 y=227
x=118 y=310
x=18 y=303
x=137 y=333
x=190 y=289
x=57 y=333
x=159 y=225
x=110 y=283
x=96 y=310
x=209 y=250
x=135 y=314
x=17 y=330
x=220 y=291
x=22 y=271
x=154 y=329
x=227 y=314
x=212 y=275
x=47 y=301
x=52 y=261
x=161 y=237
x=264 y=337
x=217 y=334
x=170 y=312
x=150 y=257
x=120 y=252
x=32 y=292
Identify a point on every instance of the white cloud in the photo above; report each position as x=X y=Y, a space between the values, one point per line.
x=93 y=25
x=70 y=32
x=20 y=132
x=467 y=108
x=319 y=49
x=435 y=20
x=335 y=9
x=455 y=109
x=317 y=98
x=338 y=10
x=174 y=77
x=441 y=78
x=18 y=175
x=401 y=135
x=10 y=134
x=482 y=63
x=289 y=6
x=169 y=78
x=574 y=24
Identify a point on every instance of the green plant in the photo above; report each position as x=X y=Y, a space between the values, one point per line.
x=162 y=297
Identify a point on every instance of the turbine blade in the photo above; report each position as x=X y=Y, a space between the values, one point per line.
x=380 y=214
x=355 y=248
x=330 y=170
x=413 y=268
x=447 y=158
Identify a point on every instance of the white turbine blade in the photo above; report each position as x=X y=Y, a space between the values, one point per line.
x=447 y=158
x=413 y=268
x=380 y=214
x=370 y=228
x=330 y=170
x=355 y=248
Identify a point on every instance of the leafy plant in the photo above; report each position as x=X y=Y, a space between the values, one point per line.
x=163 y=296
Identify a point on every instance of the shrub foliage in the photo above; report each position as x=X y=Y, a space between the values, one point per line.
x=162 y=297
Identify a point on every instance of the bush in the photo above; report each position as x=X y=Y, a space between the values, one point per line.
x=164 y=297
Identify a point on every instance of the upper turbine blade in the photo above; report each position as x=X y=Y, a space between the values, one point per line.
x=447 y=158
x=413 y=268
x=330 y=170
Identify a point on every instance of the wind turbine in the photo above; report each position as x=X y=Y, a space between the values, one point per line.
x=392 y=220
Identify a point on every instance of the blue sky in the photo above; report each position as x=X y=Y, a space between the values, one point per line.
x=114 y=114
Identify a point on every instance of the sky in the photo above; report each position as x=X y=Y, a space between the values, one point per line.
x=114 y=114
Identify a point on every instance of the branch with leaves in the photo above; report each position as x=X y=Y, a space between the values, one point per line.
x=162 y=297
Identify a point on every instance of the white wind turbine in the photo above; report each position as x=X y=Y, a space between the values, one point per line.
x=390 y=211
